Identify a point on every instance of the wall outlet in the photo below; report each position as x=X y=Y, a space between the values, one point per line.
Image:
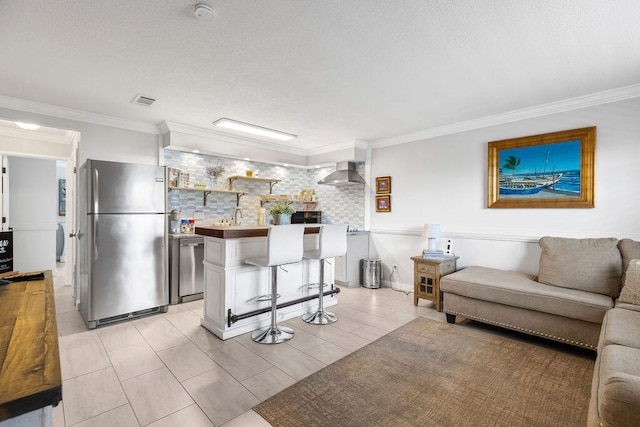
x=449 y=250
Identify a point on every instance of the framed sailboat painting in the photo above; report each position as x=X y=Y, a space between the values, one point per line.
x=553 y=170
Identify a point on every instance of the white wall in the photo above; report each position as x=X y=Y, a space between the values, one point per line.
x=13 y=146
x=117 y=145
x=102 y=142
x=33 y=213
x=444 y=180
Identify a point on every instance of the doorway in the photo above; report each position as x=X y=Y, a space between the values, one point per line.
x=31 y=185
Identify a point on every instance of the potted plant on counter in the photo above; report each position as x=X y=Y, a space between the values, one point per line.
x=281 y=213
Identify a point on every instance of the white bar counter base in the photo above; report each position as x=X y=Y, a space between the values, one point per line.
x=229 y=283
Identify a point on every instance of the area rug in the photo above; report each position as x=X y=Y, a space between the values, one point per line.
x=429 y=373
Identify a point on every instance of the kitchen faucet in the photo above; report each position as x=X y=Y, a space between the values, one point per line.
x=235 y=216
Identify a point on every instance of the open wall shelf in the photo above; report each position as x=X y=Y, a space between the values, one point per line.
x=207 y=191
x=271 y=181
x=307 y=205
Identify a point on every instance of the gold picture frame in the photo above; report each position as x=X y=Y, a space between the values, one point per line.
x=552 y=170
x=383 y=203
x=383 y=185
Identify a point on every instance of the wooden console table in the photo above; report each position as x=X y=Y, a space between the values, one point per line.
x=426 y=277
x=29 y=359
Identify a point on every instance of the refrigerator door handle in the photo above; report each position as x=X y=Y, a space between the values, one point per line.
x=95 y=237
x=95 y=191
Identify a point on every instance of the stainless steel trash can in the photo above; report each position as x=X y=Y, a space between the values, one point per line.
x=370 y=272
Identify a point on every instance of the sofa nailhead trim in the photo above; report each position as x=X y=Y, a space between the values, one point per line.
x=517 y=328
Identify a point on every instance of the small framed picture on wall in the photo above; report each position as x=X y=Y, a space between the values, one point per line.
x=383 y=203
x=62 y=197
x=383 y=185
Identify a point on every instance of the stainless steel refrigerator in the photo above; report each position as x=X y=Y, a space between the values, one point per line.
x=122 y=241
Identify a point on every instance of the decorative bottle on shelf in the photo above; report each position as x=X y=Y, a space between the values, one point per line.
x=262 y=216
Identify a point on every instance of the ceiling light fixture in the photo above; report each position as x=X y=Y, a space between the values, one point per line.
x=253 y=129
x=204 y=12
x=27 y=126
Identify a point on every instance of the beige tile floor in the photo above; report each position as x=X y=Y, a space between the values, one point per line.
x=167 y=370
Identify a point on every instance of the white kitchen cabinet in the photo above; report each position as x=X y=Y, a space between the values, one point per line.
x=347 y=267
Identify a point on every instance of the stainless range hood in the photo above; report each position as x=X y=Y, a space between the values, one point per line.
x=345 y=174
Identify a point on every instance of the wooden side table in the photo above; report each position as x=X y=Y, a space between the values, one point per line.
x=426 y=277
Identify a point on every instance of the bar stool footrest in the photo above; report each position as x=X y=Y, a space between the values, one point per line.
x=317 y=285
x=265 y=297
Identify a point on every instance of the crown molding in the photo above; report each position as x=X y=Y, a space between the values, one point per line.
x=357 y=143
x=77 y=115
x=591 y=100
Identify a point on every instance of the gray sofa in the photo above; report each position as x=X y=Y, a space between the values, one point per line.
x=615 y=389
x=572 y=301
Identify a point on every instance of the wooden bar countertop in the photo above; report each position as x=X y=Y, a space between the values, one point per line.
x=29 y=357
x=239 y=231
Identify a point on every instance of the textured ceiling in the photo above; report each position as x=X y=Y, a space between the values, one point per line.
x=330 y=71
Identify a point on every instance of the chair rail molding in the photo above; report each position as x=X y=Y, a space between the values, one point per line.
x=417 y=232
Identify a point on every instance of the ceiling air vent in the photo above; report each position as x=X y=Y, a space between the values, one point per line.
x=143 y=101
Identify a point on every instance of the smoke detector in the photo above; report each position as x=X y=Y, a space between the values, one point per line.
x=204 y=12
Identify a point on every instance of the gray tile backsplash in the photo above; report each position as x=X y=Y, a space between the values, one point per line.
x=339 y=205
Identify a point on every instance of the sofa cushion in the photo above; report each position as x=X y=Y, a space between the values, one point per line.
x=591 y=265
x=630 y=293
x=619 y=386
x=520 y=290
x=619 y=327
x=629 y=249
x=626 y=306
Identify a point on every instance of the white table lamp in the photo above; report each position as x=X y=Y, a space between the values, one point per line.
x=431 y=232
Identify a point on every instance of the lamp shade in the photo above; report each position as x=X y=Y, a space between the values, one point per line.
x=432 y=231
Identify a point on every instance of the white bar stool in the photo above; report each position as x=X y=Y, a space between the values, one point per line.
x=284 y=246
x=332 y=242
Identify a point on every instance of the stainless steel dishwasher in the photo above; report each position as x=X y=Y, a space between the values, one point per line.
x=186 y=269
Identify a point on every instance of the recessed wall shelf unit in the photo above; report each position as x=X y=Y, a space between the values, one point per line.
x=207 y=191
x=271 y=181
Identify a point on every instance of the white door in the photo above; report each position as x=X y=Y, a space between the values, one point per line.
x=69 y=240
x=33 y=213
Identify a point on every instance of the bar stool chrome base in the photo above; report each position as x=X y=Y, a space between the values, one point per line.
x=285 y=245
x=272 y=335
x=332 y=242
x=320 y=318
